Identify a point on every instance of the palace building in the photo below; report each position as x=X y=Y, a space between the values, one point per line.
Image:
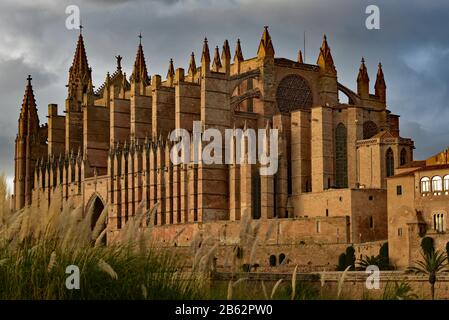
x=110 y=146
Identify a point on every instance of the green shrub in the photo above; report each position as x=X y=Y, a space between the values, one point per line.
x=350 y=258
x=341 y=262
x=447 y=250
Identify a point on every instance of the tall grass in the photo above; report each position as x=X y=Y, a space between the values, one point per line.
x=37 y=246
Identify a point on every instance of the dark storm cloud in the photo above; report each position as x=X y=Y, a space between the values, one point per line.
x=412 y=44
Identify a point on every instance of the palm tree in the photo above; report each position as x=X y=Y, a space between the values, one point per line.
x=432 y=263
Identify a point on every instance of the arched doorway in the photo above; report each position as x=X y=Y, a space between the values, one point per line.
x=97 y=206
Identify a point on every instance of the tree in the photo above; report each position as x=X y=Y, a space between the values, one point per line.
x=350 y=258
x=383 y=252
x=427 y=245
x=431 y=264
x=341 y=262
x=447 y=250
x=381 y=260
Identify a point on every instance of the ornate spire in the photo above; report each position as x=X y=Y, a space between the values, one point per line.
x=363 y=80
x=216 y=65
x=238 y=55
x=192 y=66
x=363 y=72
x=380 y=87
x=205 y=55
x=119 y=62
x=205 y=58
x=80 y=66
x=28 y=112
x=140 y=68
x=325 y=60
x=300 y=60
x=266 y=48
x=226 y=54
x=170 y=73
x=171 y=69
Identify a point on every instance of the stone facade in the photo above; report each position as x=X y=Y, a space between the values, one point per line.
x=418 y=205
x=111 y=147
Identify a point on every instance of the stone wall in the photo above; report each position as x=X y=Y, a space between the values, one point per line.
x=354 y=286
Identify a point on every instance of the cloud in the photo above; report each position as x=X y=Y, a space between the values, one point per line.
x=412 y=45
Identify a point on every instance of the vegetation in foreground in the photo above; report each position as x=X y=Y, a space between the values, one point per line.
x=38 y=246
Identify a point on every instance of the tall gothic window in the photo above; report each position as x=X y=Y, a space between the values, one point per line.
x=403 y=159
x=389 y=157
x=255 y=184
x=369 y=129
x=341 y=156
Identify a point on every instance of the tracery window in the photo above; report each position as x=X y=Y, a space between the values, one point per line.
x=293 y=93
x=389 y=157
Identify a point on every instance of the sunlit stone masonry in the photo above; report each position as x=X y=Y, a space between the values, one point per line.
x=110 y=146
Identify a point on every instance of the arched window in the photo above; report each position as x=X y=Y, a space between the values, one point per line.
x=272 y=260
x=425 y=184
x=438 y=221
x=369 y=129
x=281 y=258
x=403 y=159
x=446 y=183
x=437 y=184
x=389 y=161
x=341 y=156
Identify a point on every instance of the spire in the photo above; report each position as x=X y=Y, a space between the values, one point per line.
x=205 y=55
x=226 y=57
x=192 y=66
x=80 y=66
x=363 y=73
x=380 y=87
x=170 y=73
x=28 y=112
x=140 y=68
x=300 y=60
x=325 y=60
x=363 y=80
x=216 y=65
x=226 y=54
x=266 y=45
x=119 y=62
x=238 y=55
x=205 y=58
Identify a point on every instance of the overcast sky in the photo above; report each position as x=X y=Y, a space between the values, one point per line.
x=412 y=44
